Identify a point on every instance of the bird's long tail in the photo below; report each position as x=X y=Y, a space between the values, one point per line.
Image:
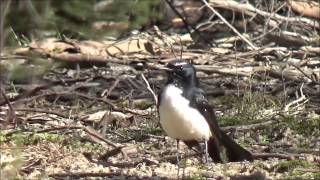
x=214 y=150
x=234 y=151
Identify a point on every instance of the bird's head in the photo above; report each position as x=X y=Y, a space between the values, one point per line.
x=181 y=73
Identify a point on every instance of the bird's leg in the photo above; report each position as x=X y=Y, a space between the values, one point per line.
x=178 y=158
x=206 y=151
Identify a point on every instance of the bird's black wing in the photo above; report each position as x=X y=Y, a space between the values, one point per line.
x=234 y=151
x=159 y=99
x=200 y=102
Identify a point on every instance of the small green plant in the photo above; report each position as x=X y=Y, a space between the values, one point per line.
x=260 y=165
x=249 y=108
x=264 y=139
x=246 y=109
x=316 y=176
x=308 y=127
x=286 y=166
x=90 y=147
x=229 y=120
x=22 y=138
x=196 y=177
x=2 y=138
x=11 y=163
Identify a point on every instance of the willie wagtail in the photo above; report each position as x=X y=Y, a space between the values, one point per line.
x=185 y=114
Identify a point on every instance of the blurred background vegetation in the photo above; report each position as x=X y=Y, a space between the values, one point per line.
x=24 y=20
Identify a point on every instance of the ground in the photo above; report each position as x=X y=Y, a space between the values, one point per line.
x=52 y=131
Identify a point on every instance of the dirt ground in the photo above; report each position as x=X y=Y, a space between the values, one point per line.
x=68 y=130
x=85 y=109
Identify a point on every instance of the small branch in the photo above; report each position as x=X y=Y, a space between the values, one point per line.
x=108 y=91
x=305 y=74
x=186 y=24
x=173 y=158
x=11 y=118
x=149 y=88
x=251 y=10
x=95 y=134
x=31 y=93
x=275 y=155
x=58 y=129
x=46 y=112
x=230 y=26
x=248 y=127
x=98 y=137
x=84 y=175
x=114 y=107
x=301 y=100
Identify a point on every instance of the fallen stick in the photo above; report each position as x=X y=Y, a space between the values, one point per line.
x=248 y=127
x=230 y=26
x=149 y=89
x=251 y=10
x=78 y=175
x=46 y=112
x=235 y=71
x=11 y=116
x=275 y=155
x=95 y=134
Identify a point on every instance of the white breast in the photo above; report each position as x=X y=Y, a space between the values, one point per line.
x=178 y=119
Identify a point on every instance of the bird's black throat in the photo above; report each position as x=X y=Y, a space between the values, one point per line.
x=185 y=80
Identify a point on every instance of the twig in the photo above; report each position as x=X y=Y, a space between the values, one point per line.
x=248 y=127
x=186 y=24
x=46 y=112
x=173 y=158
x=30 y=93
x=11 y=113
x=124 y=150
x=275 y=155
x=230 y=26
x=251 y=10
x=31 y=165
x=43 y=130
x=245 y=71
x=123 y=109
x=118 y=148
x=108 y=91
x=58 y=128
x=307 y=170
x=305 y=74
x=283 y=76
x=84 y=174
x=92 y=132
x=26 y=94
x=95 y=136
x=149 y=89
x=302 y=99
x=110 y=153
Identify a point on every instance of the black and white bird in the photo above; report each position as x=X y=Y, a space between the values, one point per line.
x=186 y=115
